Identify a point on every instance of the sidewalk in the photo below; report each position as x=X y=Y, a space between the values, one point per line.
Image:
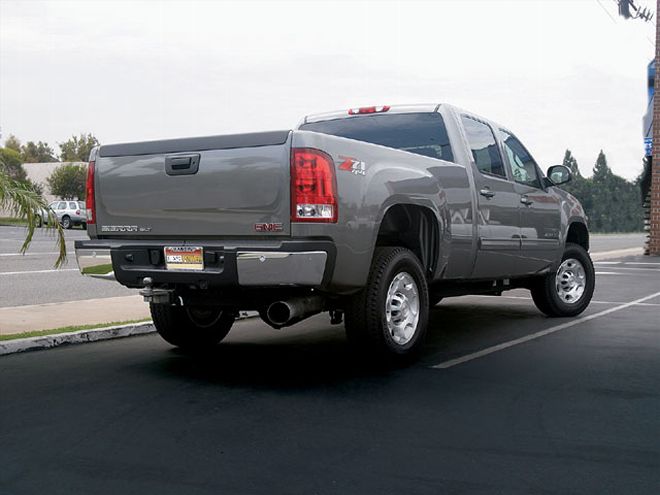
x=20 y=319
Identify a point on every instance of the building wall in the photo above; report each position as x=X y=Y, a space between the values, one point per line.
x=38 y=173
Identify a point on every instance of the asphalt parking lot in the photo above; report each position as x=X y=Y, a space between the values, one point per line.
x=503 y=400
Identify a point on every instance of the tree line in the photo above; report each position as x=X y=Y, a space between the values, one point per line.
x=612 y=203
x=74 y=149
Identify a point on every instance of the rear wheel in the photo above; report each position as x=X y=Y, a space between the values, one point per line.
x=568 y=291
x=389 y=317
x=192 y=327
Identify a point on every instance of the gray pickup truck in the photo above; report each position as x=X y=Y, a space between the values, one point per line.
x=372 y=215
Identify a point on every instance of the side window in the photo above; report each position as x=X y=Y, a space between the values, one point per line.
x=53 y=205
x=61 y=205
x=523 y=166
x=483 y=146
x=73 y=205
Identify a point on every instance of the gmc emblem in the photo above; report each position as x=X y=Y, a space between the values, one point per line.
x=268 y=227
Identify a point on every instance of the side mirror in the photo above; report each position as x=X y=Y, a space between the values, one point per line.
x=559 y=174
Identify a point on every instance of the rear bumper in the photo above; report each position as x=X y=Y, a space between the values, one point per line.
x=269 y=264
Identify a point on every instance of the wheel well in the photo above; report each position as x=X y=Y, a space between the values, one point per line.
x=413 y=227
x=578 y=234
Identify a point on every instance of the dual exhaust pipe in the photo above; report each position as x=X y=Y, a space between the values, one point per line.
x=284 y=313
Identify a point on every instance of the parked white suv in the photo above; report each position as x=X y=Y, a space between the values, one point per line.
x=69 y=213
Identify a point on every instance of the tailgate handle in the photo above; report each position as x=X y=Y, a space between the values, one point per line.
x=182 y=164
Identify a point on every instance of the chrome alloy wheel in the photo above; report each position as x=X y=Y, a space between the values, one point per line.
x=402 y=308
x=571 y=281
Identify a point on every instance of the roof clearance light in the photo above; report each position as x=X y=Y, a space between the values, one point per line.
x=363 y=110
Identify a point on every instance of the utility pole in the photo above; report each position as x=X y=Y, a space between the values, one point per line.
x=654 y=227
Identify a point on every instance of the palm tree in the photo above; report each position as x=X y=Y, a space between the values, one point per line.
x=26 y=203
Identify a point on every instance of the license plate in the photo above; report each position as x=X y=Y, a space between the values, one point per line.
x=184 y=258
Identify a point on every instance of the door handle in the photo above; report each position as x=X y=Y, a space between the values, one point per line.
x=526 y=201
x=487 y=193
x=182 y=164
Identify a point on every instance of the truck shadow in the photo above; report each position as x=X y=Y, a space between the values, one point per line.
x=315 y=353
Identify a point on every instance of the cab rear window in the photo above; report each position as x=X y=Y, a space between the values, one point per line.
x=421 y=133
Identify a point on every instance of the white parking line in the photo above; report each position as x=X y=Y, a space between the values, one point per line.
x=630 y=269
x=505 y=345
x=592 y=302
x=40 y=271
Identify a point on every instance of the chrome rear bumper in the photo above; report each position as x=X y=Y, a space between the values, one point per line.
x=95 y=263
x=253 y=268
x=271 y=268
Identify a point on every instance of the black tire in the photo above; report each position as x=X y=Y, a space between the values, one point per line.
x=366 y=320
x=192 y=327
x=39 y=221
x=84 y=225
x=66 y=222
x=546 y=295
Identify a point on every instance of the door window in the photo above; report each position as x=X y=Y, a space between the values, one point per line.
x=484 y=149
x=523 y=166
x=61 y=205
x=73 y=205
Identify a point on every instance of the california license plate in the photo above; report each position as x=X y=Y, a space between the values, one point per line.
x=184 y=258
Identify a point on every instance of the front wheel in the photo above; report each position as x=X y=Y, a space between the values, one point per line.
x=389 y=317
x=66 y=222
x=192 y=327
x=568 y=291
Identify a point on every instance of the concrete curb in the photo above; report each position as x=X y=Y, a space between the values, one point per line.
x=617 y=253
x=79 y=337
x=83 y=336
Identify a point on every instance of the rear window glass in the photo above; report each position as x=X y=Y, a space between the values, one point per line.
x=421 y=133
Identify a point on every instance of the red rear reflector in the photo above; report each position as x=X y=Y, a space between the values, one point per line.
x=313 y=186
x=363 y=110
x=89 y=198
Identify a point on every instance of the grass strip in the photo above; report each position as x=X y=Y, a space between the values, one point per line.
x=70 y=329
x=13 y=221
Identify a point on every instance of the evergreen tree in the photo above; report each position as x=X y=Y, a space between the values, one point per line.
x=571 y=163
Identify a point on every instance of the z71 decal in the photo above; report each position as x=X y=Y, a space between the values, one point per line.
x=353 y=165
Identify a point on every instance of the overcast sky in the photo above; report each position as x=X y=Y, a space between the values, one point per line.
x=561 y=74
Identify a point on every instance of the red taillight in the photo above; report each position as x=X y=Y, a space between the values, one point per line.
x=362 y=110
x=89 y=198
x=313 y=186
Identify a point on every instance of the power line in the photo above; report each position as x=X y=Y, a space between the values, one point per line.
x=606 y=11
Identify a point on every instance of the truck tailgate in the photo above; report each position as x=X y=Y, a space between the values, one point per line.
x=235 y=185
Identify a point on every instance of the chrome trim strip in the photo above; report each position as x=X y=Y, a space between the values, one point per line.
x=95 y=263
x=272 y=268
x=496 y=244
